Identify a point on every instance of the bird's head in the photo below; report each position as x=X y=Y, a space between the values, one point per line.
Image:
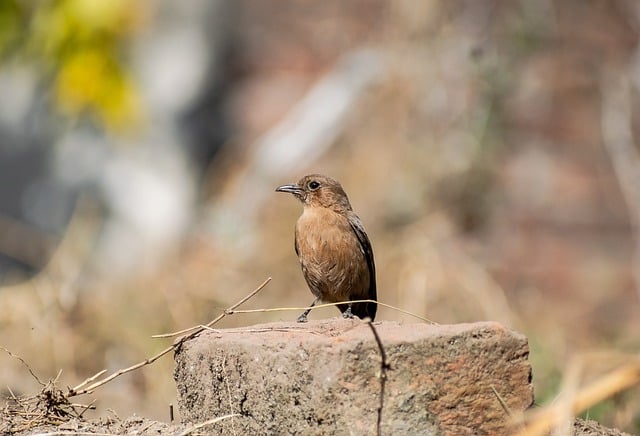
x=316 y=190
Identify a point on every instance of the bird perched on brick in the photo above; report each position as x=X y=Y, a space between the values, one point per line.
x=333 y=248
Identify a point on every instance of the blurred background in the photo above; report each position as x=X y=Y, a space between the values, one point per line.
x=488 y=146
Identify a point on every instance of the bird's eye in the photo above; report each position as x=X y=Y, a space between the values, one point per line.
x=313 y=185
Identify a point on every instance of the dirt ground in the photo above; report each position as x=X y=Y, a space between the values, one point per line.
x=139 y=425
x=112 y=425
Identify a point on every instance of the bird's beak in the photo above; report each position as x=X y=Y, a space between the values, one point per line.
x=292 y=189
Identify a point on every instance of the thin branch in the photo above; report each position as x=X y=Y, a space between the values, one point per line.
x=76 y=391
x=283 y=309
x=206 y=423
x=227 y=311
x=80 y=390
x=90 y=379
x=501 y=400
x=384 y=366
x=25 y=364
x=88 y=433
x=13 y=396
x=55 y=380
x=226 y=382
x=85 y=407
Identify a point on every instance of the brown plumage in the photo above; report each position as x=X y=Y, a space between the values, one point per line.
x=333 y=248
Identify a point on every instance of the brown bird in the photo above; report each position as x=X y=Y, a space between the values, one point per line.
x=333 y=248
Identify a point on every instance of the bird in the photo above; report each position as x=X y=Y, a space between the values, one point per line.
x=333 y=248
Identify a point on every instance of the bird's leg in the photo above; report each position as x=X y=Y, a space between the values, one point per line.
x=347 y=313
x=303 y=317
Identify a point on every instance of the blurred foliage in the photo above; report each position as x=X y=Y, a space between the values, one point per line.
x=79 y=50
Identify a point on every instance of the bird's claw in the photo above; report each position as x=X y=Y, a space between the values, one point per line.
x=347 y=314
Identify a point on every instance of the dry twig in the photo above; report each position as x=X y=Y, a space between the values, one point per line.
x=206 y=423
x=227 y=311
x=80 y=389
x=49 y=407
x=384 y=366
x=283 y=309
x=25 y=364
x=501 y=400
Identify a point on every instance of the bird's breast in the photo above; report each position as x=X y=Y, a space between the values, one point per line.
x=330 y=254
x=323 y=232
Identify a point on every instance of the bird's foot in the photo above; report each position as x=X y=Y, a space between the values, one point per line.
x=303 y=317
x=347 y=314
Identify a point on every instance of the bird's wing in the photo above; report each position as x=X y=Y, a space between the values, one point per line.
x=295 y=243
x=365 y=246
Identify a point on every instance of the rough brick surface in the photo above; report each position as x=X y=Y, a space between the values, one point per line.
x=323 y=377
